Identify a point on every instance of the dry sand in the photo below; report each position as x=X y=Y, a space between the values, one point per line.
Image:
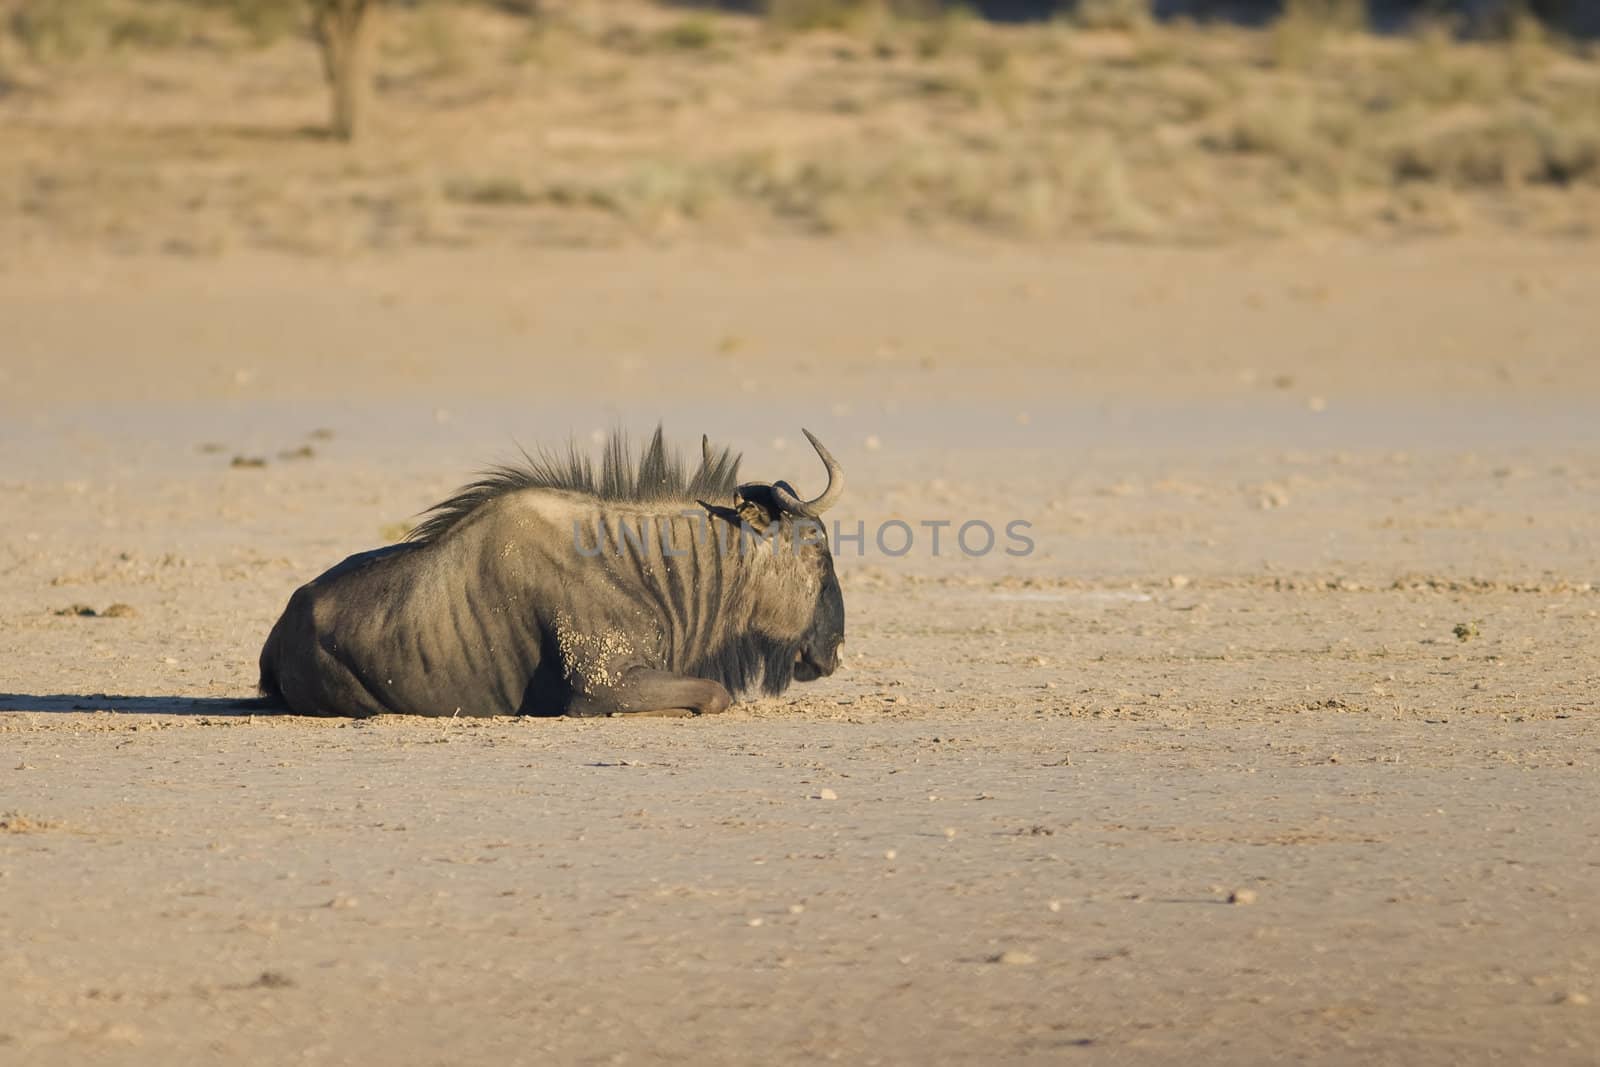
x=1311 y=627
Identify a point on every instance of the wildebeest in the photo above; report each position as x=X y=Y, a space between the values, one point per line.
x=550 y=588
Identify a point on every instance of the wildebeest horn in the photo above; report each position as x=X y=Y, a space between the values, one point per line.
x=830 y=496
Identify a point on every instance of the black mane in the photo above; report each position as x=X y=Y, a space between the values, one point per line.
x=659 y=475
x=749 y=660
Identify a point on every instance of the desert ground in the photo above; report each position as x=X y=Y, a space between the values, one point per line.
x=1279 y=746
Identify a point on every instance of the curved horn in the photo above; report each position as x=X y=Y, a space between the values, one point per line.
x=705 y=452
x=830 y=496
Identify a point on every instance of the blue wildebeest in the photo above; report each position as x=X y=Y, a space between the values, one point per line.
x=552 y=588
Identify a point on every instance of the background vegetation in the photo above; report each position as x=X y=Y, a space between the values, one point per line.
x=198 y=125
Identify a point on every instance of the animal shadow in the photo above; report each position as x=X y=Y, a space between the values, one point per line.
x=61 y=703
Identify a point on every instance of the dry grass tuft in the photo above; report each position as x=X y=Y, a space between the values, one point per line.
x=14 y=822
x=66 y=30
x=1125 y=15
x=1499 y=147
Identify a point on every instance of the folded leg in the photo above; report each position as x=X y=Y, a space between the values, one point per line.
x=646 y=692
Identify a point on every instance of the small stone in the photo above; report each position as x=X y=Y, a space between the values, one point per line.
x=1055 y=905
x=1272 y=497
x=342 y=901
x=796 y=909
x=1013 y=957
x=889 y=853
x=757 y=921
x=1179 y=581
x=272 y=980
x=872 y=442
x=120 y=611
x=949 y=831
x=1572 y=997
x=827 y=794
x=1242 y=896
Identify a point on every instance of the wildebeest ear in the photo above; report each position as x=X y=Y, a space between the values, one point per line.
x=754 y=506
x=719 y=511
x=754 y=516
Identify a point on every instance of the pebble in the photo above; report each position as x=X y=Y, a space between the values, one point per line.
x=889 y=853
x=949 y=831
x=1574 y=997
x=1013 y=957
x=827 y=794
x=1242 y=896
x=757 y=921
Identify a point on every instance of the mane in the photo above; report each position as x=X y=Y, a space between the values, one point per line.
x=659 y=474
x=749 y=661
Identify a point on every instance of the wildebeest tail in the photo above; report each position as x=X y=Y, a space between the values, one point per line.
x=271 y=693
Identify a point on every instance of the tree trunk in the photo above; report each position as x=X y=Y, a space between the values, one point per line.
x=344 y=29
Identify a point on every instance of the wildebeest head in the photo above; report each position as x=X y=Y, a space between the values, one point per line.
x=790 y=527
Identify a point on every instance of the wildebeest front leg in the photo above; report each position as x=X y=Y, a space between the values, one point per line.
x=646 y=692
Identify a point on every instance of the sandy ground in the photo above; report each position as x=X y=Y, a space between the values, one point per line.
x=1310 y=623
